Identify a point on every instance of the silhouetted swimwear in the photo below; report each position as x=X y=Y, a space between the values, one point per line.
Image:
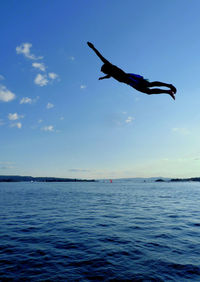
x=137 y=80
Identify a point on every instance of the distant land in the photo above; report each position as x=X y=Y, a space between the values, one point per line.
x=197 y=179
x=18 y=178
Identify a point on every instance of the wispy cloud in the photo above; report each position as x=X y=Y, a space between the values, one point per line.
x=78 y=170
x=52 y=75
x=119 y=119
x=5 y=94
x=49 y=106
x=6 y=165
x=25 y=49
x=181 y=130
x=27 y=100
x=17 y=124
x=41 y=80
x=83 y=86
x=72 y=58
x=40 y=66
x=14 y=116
x=48 y=128
x=129 y=119
x=1 y=122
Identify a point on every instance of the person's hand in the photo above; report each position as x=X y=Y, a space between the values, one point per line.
x=90 y=44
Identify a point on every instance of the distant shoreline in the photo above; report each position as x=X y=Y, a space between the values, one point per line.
x=18 y=178
x=194 y=179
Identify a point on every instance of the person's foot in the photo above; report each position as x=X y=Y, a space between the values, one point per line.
x=173 y=88
x=171 y=93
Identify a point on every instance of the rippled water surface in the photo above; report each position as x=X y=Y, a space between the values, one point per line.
x=100 y=231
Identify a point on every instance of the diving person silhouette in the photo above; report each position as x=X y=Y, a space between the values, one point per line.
x=134 y=80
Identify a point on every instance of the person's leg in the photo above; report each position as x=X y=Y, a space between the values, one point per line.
x=158 y=91
x=158 y=83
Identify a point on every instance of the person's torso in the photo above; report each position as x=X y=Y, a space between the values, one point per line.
x=117 y=73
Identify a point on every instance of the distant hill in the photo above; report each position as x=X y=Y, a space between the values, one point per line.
x=18 y=178
x=137 y=179
x=196 y=179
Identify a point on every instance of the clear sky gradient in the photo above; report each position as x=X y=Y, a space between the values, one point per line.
x=57 y=119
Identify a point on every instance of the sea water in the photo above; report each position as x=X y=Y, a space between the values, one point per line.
x=100 y=231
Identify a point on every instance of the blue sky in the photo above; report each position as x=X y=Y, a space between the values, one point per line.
x=57 y=119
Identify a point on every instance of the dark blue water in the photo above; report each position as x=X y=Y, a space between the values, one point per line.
x=100 y=231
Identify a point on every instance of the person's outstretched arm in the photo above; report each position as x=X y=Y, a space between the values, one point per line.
x=97 y=52
x=103 y=77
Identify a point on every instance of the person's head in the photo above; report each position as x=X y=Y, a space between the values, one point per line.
x=106 y=68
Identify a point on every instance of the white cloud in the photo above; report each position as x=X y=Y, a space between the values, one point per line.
x=83 y=86
x=129 y=119
x=1 y=122
x=39 y=66
x=24 y=49
x=1 y=77
x=49 y=106
x=48 y=128
x=14 y=116
x=5 y=94
x=52 y=75
x=41 y=80
x=17 y=124
x=26 y=100
x=40 y=120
